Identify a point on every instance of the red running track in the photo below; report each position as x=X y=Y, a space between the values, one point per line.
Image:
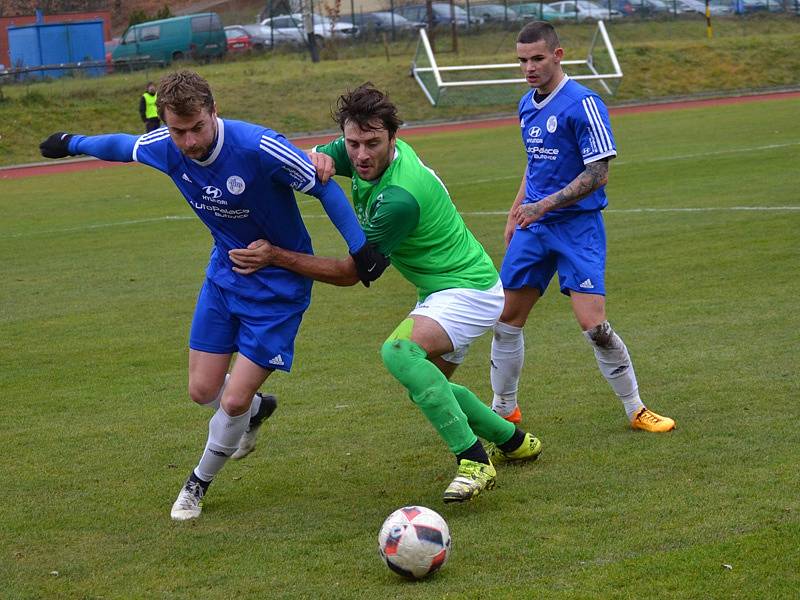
x=23 y=171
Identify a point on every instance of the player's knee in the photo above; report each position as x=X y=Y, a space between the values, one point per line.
x=235 y=405
x=394 y=354
x=202 y=393
x=399 y=356
x=601 y=335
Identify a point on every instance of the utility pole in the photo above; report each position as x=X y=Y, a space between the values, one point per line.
x=430 y=24
x=308 y=27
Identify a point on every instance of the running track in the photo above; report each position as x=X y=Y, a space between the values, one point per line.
x=68 y=166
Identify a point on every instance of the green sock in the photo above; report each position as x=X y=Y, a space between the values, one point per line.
x=430 y=391
x=482 y=419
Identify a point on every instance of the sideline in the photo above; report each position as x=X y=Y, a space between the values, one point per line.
x=90 y=163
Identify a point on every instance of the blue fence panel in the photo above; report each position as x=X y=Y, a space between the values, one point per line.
x=53 y=42
x=57 y=43
x=86 y=44
x=23 y=46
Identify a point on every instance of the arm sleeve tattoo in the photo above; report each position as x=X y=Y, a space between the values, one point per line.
x=593 y=176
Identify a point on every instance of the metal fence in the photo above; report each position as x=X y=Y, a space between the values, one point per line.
x=361 y=22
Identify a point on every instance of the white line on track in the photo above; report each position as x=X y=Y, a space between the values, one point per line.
x=486 y=213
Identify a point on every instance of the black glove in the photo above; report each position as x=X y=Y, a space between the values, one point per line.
x=56 y=146
x=370 y=263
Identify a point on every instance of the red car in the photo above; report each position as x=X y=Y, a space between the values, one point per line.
x=238 y=39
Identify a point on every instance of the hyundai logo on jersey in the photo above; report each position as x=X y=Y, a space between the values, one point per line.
x=212 y=192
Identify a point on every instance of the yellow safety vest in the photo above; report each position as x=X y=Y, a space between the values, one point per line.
x=150 y=111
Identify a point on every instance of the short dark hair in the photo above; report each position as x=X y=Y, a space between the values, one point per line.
x=364 y=105
x=185 y=93
x=539 y=30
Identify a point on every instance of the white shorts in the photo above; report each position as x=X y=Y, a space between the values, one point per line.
x=465 y=314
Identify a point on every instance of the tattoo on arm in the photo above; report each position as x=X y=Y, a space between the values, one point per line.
x=593 y=176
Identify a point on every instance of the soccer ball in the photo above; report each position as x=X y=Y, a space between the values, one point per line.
x=414 y=541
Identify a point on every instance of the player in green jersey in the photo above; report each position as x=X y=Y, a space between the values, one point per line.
x=407 y=214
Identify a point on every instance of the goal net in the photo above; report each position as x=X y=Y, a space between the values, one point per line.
x=483 y=81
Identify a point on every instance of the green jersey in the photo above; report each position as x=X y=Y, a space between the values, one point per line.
x=409 y=216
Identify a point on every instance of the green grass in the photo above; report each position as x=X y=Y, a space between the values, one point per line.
x=98 y=290
x=290 y=94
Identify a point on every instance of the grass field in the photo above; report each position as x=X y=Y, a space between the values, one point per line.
x=100 y=272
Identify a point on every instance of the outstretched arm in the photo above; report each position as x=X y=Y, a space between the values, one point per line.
x=594 y=176
x=117 y=147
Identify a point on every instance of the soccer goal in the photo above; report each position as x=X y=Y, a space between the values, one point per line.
x=600 y=65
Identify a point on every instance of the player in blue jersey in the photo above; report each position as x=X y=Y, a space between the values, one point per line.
x=555 y=225
x=239 y=179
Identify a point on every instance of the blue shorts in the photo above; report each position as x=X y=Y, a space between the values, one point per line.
x=575 y=247
x=264 y=332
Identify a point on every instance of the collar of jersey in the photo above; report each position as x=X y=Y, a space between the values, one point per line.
x=217 y=148
x=550 y=96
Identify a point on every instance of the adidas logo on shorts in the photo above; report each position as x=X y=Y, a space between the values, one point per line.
x=587 y=283
x=276 y=360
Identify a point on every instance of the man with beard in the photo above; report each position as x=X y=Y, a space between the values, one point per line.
x=407 y=213
x=239 y=179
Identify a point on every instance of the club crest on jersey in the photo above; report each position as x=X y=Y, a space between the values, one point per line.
x=212 y=192
x=552 y=124
x=235 y=185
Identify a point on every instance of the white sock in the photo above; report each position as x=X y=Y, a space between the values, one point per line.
x=254 y=405
x=224 y=433
x=616 y=366
x=508 y=354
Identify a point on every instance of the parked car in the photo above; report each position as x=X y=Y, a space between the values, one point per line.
x=381 y=21
x=699 y=6
x=751 y=6
x=263 y=37
x=583 y=10
x=655 y=7
x=238 y=39
x=628 y=8
x=290 y=27
x=441 y=14
x=493 y=13
x=536 y=11
x=199 y=36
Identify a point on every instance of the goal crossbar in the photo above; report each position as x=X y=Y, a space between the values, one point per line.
x=425 y=52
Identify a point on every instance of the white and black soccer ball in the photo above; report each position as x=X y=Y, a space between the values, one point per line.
x=414 y=541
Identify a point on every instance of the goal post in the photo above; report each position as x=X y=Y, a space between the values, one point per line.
x=435 y=80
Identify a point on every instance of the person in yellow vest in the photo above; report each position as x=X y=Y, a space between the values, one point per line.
x=147 y=108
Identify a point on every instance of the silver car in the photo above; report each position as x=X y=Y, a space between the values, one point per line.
x=582 y=10
x=291 y=27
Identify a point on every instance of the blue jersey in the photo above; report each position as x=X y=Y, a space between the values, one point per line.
x=243 y=191
x=563 y=133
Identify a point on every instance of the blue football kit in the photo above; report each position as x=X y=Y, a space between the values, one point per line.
x=562 y=133
x=242 y=191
